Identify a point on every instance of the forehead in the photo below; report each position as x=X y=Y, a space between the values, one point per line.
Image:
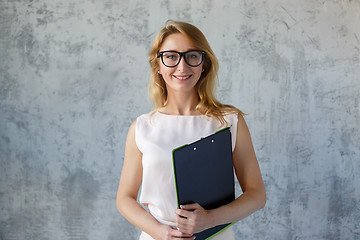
x=177 y=42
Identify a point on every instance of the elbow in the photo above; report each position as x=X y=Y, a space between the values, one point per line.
x=123 y=203
x=120 y=204
x=263 y=202
x=259 y=199
x=262 y=199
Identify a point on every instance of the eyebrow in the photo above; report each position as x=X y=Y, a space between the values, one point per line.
x=171 y=50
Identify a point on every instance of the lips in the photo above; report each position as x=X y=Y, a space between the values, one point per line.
x=182 y=77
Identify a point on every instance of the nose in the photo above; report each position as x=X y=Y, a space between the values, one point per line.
x=182 y=64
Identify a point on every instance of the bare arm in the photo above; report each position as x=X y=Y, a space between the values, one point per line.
x=126 y=200
x=250 y=179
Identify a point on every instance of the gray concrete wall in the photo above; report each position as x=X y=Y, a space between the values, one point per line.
x=73 y=76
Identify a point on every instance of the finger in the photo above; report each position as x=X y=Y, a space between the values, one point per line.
x=185 y=225
x=190 y=207
x=178 y=234
x=184 y=213
x=182 y=221
x=186 y=230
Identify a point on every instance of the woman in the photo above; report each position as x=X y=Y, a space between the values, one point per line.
x=183 y=74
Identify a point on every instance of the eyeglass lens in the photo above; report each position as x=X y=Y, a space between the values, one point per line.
x=192 y=58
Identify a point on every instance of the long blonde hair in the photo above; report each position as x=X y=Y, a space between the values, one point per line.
x=208 y=104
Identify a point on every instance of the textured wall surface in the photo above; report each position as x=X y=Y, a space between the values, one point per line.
x=73 y=76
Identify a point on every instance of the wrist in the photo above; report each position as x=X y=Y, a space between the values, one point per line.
x=212 y=218
x=158 y=231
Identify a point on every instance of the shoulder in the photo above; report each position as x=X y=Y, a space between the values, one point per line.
x=140 y=119
x=132 y=126
x=144 y=118
x=230 y=110
x=143 y=123
x=242 y=128
x=232 y=116
x=138 y=129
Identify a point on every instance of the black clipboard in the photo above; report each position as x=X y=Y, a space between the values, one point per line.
x=204 y=174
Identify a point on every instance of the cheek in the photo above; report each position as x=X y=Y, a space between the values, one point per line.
x=198 y=71
x=161 y=67
x=166 y=73
x=164 y=70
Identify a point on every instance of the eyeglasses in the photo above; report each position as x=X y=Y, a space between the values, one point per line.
x=192 y=58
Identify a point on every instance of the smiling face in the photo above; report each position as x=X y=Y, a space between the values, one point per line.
x=181 y=77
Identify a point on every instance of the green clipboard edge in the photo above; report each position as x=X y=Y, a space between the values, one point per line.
x=177 y=198
x=230 y=224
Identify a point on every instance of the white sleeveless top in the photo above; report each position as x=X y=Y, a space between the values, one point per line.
x=156 y=136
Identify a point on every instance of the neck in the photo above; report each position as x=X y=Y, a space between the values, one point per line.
x=181 y=104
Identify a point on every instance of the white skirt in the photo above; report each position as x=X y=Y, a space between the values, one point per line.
x=227 y=234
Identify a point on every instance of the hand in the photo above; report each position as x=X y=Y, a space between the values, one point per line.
x=170 y=232
x=192 y=218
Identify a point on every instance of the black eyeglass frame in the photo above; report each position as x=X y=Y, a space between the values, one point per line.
x=182 y=54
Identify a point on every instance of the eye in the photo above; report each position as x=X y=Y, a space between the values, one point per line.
x=171 y=56
x=193 y=56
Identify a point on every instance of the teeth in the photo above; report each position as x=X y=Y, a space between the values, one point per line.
x=182 y=78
